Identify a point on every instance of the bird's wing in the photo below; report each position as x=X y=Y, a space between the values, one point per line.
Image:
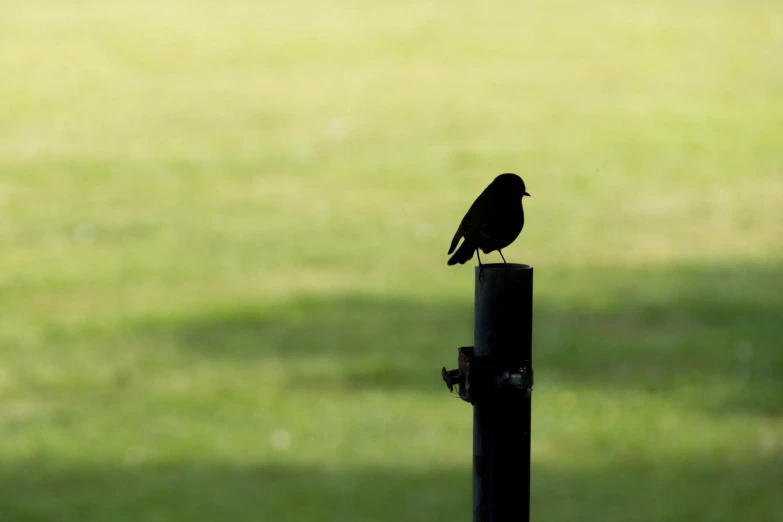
x=487 y=225
x=472 y=223
x=469 y=224
x=490 y=215
x=456 y=239
x=474 y=219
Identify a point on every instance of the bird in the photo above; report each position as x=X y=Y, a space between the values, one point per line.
x=493 y=221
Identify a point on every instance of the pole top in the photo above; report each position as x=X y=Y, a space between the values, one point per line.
x=505 y=266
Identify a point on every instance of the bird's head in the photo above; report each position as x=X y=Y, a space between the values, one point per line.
x=511 y=184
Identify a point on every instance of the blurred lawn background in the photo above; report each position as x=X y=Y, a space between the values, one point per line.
x=223 y=281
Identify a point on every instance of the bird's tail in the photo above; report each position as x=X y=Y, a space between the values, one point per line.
x=463 y=254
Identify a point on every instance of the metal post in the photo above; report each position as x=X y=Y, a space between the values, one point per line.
x=501 y=419
x=496 y=377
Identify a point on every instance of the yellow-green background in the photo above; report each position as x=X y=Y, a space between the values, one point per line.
x=223 y=234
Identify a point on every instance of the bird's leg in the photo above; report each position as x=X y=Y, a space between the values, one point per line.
x=505 y=265
x=481 y=267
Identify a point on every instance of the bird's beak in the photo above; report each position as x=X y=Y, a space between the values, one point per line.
x=526 y=194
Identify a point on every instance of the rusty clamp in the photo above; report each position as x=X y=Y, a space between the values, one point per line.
x=477 y=377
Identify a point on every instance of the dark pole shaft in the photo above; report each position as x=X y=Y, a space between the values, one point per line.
x=501 y=421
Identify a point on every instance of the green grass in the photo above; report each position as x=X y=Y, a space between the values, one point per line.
x=223 y=281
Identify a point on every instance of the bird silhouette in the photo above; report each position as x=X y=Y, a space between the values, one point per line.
x=493 y=221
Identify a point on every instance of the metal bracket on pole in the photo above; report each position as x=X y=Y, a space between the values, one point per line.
x=521 y=379
x=477 y=377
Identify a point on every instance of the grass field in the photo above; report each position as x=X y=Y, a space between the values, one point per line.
x=223 y=281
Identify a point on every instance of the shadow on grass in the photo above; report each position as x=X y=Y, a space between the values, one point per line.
x=685 y=491
x=716 y=327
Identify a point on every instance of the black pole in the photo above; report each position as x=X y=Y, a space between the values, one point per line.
x=503 y=334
